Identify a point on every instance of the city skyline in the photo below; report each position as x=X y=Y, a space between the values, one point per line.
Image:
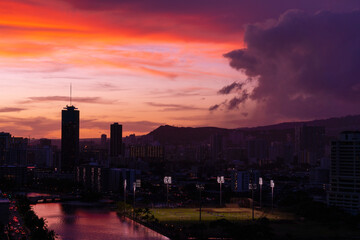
x=193 y=64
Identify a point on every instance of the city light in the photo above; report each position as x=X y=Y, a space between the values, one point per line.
x=260 y=183
x=200 y=187
x=220 y=180
x=272 y=185
x=167 y=181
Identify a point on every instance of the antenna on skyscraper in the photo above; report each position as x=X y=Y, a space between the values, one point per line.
x=70 y=94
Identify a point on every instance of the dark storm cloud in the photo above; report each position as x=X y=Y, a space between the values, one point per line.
x=246 y=7
x=235 y=101
x=307 y=65
x=195 y=18
x=214 y=107
x=232 y=87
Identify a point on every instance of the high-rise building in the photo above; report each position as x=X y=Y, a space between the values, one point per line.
x=115 y=140
x=345 y=172
x=217 y=147
x=103 y=140
x=258 y=151
x=69 y=138
x=309 y=144
x=5 y=141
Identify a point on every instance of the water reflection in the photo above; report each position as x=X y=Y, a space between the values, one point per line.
x=33 y=194
x=81 y=223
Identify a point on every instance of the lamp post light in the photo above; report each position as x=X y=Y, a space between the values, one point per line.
x=125 y=195
x=200 y=187
x=260 y=184
x=136 y=184
x=134 y=190
x=272 y=185
x=252 y=187
x=220 y=180
x=167 y=181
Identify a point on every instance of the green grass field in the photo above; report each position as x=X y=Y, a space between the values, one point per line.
x=284 y=225
x=183 y=215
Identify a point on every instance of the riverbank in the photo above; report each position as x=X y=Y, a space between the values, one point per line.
x=84 y=221
x=36 y=226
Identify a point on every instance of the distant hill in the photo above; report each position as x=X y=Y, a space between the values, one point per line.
x=179 y=135
x=333 y=126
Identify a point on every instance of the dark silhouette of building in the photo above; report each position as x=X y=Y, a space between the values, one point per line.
x=217 y=147
x=115 y=140
x=5 y=142
x=258 y=151
x=309 y=144
x=69 y=138
x=103 y=141
x=345 y=172
x=13 y=150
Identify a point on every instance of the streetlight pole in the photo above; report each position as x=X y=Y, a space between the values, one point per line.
x=220 y=180
x=272 y=185
x=125 y=195
x=252 y=186
x=252 y=202
x=200 y=187
x=167 y=181
x=260 y=183
x=134 y=189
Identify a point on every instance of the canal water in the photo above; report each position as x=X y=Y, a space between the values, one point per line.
x=76 y=222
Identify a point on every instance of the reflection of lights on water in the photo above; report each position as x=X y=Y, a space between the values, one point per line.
x=92 y=224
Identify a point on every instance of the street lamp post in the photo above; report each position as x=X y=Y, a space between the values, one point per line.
x=136 y=184
x=134 y=190
x=220 y=180
x=272 y=185
x=200 y=187
x=124 y=195
x=260 y=184
x=167 y=181
x=252 y=187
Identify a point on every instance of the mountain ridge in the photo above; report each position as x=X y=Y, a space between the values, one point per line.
x=333 y=126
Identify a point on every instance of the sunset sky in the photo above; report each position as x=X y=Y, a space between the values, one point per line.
x=146 y=63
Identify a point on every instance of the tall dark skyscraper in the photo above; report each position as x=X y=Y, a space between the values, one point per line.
x=345 y=172
x=69 y=138
x=115 y=140
x=103 y=140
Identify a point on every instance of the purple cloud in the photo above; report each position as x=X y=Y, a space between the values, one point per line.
x=232 y=87
x=11 y=109
x=202 y=19
x=306 y=65
x=235 y=101
x=214 y=107
x=173 y=107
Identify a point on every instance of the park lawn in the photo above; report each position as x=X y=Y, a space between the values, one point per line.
x=284 y=225
x=185 y=216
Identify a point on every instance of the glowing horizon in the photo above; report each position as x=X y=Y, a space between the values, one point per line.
x=139 y=64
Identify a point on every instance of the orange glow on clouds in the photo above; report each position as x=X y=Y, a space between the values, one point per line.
x=122 y=60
